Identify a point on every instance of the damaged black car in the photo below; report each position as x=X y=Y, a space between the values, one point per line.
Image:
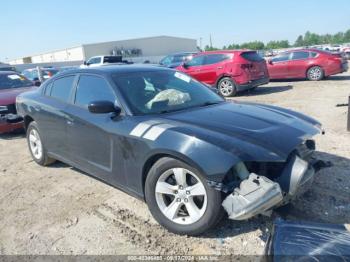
x=164 y=137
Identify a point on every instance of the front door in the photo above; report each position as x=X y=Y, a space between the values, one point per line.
x=278 y=67
x=90 y=140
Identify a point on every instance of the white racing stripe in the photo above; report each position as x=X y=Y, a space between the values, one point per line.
x=156 y=131
x=150 y=130
x=141 y=128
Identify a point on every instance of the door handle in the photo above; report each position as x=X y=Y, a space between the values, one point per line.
x=37 y=108
x=70 y=122
x=220 y=67
x=197 y=70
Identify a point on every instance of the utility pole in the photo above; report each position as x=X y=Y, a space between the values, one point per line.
x=211 y=43
x=200 y=43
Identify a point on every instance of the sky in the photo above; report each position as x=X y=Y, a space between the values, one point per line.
x=30 y=27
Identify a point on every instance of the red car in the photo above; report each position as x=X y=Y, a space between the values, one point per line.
x=11 y=85
x=230 y=70
x=312 y=64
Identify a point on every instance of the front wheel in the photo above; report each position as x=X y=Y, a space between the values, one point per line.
x=227 y=87
x=180 y=199
x=315 y=73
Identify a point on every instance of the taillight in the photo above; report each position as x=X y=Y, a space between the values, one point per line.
x=49 y=74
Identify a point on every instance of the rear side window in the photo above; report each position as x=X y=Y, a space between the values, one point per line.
x=281 y=58
x=314 y=54
x=95 y=60
x=112 y=59
x=252 y=56
x=92 y=88
x=216 y=58
x=300 y=55
x=62 y=87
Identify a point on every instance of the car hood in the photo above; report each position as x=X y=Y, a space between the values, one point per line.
x=8 y=96
x=250 y=131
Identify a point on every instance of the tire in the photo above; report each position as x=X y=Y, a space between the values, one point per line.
x=208 y=212
x=36 y=147
x=315 y=73
x=227 y=87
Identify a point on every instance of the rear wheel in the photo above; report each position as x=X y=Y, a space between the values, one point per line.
x=315 y=73
x=180 y=199
x=227 y=87
x=36 y=146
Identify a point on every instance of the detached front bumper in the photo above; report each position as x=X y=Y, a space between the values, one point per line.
x=258 y=194
x=10 y=122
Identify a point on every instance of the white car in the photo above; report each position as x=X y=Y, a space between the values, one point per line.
x=101 y=60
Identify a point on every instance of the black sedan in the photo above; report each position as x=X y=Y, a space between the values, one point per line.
x=160 y=135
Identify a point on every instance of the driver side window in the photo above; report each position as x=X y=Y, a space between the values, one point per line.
x=92 y=88
x=95 y=60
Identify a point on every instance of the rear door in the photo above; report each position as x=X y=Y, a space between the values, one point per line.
x=214 y=66
x=299 y=63
x=256 y=65
x=52 y=122
x=278 y=67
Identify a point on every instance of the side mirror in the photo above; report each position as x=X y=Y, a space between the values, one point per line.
x=37 y=83
x=103 y=107
x=270 y=61
x=85 y=63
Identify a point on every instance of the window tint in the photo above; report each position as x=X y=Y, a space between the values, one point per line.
x=166 y=60
x=112 y=59
x=179 y=59
x=314 y=54
x=252 y=56
x=215 y=58
x=61 y=88
x=300 y=55
x=281 y=57
x=92 y=88
x=196 y=61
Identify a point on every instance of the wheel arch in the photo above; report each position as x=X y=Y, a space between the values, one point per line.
x=223 y=76
x=27 y=120
x=200 y=166
x=313 y=65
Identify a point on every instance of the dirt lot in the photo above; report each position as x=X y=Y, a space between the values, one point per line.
x=59 y=210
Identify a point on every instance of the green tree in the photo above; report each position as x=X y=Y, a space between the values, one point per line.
x=255 y=45
x=299 y=41
x=277 y=44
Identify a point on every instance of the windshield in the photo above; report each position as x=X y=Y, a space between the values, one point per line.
x=8 y=81
x=163 y=91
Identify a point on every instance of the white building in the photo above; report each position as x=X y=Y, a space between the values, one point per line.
x=136 y=50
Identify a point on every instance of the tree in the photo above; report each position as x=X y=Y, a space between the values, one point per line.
x=299 y=41
x=277 y=44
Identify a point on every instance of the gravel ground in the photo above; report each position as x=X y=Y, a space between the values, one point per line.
x=60 y=210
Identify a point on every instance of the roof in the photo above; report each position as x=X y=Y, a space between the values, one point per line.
x=227 y=51
x=8 y=72
x=118 y=69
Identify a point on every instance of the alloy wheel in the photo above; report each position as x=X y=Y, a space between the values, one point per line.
x=315 y=73
x=181 y=196
x=226 y=87
x=35 y=144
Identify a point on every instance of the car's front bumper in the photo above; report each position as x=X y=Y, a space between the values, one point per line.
x=258 y=194
x=9 y=123
x=253 y=83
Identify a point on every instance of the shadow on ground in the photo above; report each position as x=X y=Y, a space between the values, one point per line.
x=265 y=90
x=17 y=134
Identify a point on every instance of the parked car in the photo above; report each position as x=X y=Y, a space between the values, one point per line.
x=228 y=71
x=7 y=67
x=11 y=84
x=177 y=59
x=313 y=64
x=164 y=137
x=102 y=60
x=32 y=74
